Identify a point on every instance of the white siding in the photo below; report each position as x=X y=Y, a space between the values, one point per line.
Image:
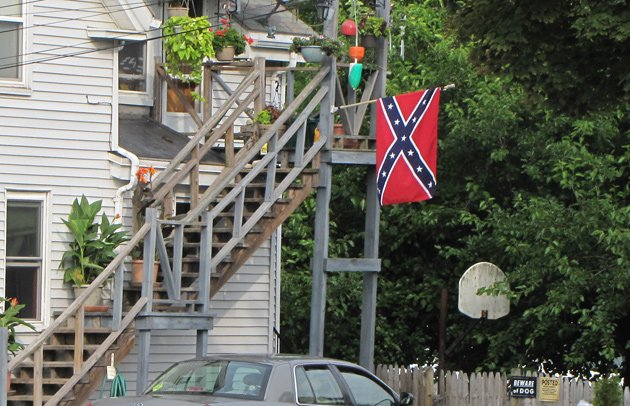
x=3 y=228
x=57 y=139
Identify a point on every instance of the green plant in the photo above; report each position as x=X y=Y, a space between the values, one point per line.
x=371 y=25
x=9 y=319
x=608 y=392
x=329 y=45
x=268 y=115
x=226 y=36
x=187 y=42
x=93 y=245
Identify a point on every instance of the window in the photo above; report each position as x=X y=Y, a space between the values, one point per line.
x=132 y=67
x=24 y=254
x=365 y=390
x=317 y=385
x=11 y=38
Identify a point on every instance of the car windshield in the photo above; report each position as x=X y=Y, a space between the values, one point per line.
x=219 y=378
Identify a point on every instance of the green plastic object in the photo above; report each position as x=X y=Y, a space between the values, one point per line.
x=354 y=76
x=119 y=387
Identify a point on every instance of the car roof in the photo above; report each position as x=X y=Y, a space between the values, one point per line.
x=273 y=359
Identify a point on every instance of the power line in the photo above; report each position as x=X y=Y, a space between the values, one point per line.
x=75 y=45
x=25 y=27
x=61 y=10
x=79 y=53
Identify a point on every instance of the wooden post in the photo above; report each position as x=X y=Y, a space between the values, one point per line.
x=38 y=376
x=442 y=339
x=259 y=103
x=79 y=325
x=229 y=147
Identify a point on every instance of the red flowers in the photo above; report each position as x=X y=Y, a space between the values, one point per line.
x=145 y=174
x=219 y=33
x=249 y=40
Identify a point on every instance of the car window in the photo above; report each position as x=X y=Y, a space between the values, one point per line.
x=220 y=378
x=317 y=385
x=365 y=390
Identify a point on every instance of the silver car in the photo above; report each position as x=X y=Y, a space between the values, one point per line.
x=264 y=379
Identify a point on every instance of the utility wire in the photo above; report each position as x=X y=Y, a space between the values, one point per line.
x=78 y=53
x=72 y=46
x=140 y=5
x=62 y=10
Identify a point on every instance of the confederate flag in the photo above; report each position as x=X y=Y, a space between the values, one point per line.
x=406 y=146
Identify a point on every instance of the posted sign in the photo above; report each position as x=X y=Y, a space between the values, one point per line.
x=549 y=389
x=522 y=387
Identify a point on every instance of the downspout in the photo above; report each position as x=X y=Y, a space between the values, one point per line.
x=133 y=159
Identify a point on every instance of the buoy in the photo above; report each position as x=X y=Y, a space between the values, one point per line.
x=349 y=27
x=354 y=75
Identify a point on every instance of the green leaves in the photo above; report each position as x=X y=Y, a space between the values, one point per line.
x=93 y=245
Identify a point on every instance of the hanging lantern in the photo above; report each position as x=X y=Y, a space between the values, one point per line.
x=356 y=53
x=349 y=28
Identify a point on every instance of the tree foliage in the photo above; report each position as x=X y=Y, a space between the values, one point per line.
x=533 y=169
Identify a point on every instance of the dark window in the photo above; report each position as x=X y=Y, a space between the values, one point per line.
x=24 y=255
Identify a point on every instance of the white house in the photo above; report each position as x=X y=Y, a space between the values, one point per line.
x=77 y=102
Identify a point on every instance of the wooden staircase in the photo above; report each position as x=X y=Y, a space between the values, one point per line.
x=198 y=253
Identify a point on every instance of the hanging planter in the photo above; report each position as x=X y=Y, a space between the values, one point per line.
x=356 y=53
x=315 y=48
x=313 y=54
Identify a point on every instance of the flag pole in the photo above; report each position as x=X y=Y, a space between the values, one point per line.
x=347 y=106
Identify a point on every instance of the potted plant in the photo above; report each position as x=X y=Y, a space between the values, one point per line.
x=263 y=120
x=228 y=42
x=92 y=248
x=187 y=43
x=9 y=319
x=316 y=47
x=371 y=28
x=142 y=197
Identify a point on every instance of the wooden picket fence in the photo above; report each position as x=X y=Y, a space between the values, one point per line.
x=477 y=389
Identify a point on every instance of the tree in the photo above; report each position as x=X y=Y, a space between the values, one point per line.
x=531 y=177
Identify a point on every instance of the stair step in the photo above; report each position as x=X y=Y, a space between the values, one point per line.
x=26 y=398
x=86 y=330
x=69 y=347
x=49 y=364
x=45 y=381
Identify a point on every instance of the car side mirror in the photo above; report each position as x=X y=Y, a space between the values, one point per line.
x=406 y=399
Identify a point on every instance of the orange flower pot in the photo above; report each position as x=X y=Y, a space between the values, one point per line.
x=357 y=53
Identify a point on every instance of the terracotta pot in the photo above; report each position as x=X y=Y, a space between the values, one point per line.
x=137 y=271
x=226 y=54
x=356 y=53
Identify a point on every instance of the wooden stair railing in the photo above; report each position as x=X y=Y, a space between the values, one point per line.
x=224 y=213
